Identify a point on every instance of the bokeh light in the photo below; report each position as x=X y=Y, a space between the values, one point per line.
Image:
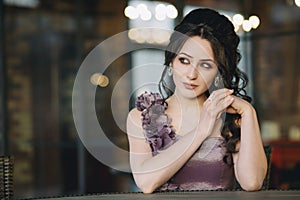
x=246 y=25
x=254 y=20
x=161 y=12
x=171 y=11
x=99 y=79
x=238 y=19
x=131 y=12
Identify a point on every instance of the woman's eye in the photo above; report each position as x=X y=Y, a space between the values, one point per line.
x=206 y=65
x=184 y=60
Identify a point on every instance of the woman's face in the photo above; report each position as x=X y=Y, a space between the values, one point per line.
x=194 y=68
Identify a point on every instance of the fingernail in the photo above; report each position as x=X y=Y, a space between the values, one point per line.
x=231 y=90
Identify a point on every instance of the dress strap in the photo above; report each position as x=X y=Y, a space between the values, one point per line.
x=156 y=124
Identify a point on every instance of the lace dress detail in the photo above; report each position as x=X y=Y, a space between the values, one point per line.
x=156 y=124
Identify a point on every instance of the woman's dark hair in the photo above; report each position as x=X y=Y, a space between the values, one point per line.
x=219 y=31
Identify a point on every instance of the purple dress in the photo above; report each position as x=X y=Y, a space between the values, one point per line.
x=210 y=168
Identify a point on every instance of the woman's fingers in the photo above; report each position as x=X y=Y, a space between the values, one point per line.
x=223 y=105
x=220 y=94
x=219 y=101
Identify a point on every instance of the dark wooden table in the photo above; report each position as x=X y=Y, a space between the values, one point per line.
x=211 y=195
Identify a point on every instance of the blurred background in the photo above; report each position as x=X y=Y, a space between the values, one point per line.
x=44 y=42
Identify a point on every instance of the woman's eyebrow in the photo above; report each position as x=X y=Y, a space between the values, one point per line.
x=207 y=59
x=204 y=59
x=186 y=54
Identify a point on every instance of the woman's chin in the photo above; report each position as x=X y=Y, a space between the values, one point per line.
x=190 y=94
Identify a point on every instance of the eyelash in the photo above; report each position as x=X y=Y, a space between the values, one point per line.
x=208 y=65
x=186 y=61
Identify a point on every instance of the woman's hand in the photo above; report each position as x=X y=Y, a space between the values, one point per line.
x=213 y=107
x=239 y=106
x=218 y=102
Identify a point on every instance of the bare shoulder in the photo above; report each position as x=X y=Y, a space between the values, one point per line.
x=134 y=114
x=134 y=123
x=135 y=133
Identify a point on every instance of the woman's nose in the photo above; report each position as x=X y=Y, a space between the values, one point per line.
x=192 y=73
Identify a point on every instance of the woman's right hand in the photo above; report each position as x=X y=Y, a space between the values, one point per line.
x=213 y=107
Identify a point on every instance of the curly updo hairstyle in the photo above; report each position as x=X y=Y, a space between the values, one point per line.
x=219 y=31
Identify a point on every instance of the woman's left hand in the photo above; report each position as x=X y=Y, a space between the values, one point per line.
x=239 y=106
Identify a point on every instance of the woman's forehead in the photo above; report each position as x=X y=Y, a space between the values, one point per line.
x=197 y=47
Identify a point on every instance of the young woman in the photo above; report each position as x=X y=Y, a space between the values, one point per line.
x=201 y=132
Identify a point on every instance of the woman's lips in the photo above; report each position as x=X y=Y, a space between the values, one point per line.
x=190 y=86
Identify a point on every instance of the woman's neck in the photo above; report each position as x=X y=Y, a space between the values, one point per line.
x=184 y=113
x=186 y=104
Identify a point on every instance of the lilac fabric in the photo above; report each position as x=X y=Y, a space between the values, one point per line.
x=210 y=168
x=156 y=124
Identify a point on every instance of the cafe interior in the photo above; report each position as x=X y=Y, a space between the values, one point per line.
x=61 y=135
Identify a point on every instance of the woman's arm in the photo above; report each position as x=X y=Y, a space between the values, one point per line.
x=150 y=172
x=250 y=161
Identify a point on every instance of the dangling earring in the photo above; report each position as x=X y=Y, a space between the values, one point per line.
x=170 y=70
x=217 y=81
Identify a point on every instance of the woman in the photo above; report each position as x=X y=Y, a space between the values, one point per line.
x=204 y=135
